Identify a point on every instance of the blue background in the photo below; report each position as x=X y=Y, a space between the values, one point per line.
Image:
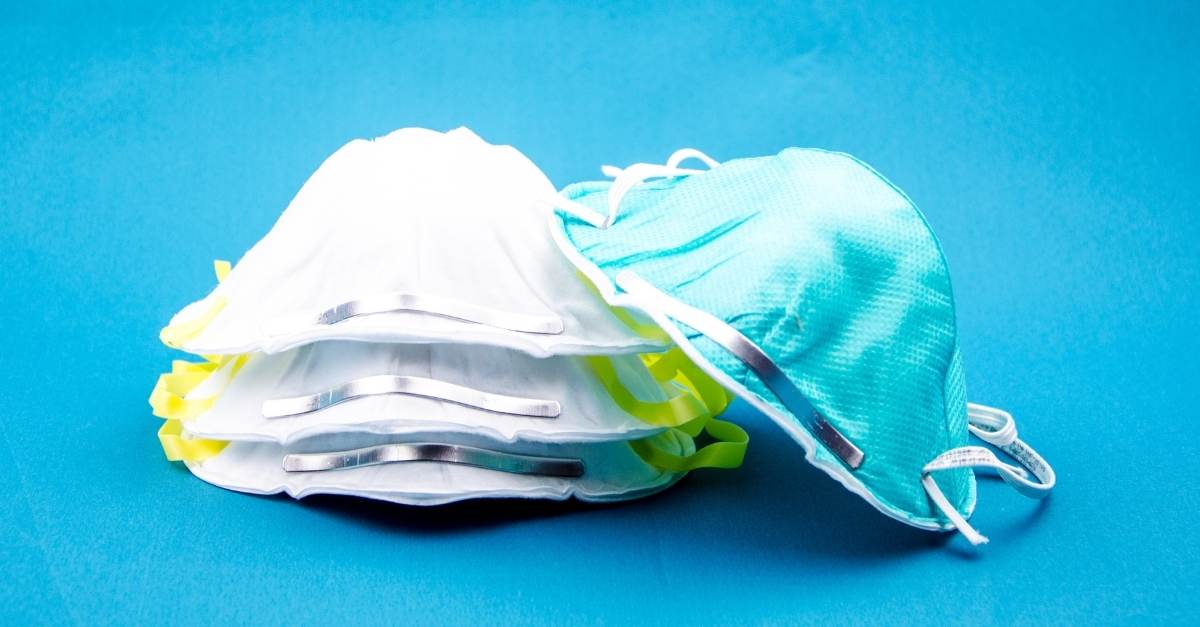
x=1054 y=150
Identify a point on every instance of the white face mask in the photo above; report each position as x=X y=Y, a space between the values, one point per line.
x=404 y=389
x=410 y=469
x=417 y=236
x=626 y=427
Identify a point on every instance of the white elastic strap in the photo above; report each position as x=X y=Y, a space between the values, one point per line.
x=611 y=171
x=676 y=158
x=633 y=176
x=579 y=210
x=625 y=180
x=996 y=427
x=683 y=154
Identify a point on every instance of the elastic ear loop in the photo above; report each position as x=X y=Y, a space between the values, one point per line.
x=996 y=427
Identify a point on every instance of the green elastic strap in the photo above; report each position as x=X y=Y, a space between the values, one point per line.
x=695 y=399
x=683 y=410
x=727 y=452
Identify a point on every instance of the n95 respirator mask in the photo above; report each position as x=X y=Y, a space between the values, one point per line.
x=813 y=288
x=418 y=236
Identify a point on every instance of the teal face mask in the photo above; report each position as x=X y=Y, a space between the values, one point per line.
x=814 y=289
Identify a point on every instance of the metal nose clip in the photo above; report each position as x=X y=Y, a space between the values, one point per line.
x=413 y=386
x=430 y=452
x=754 y=357
x=440 y=306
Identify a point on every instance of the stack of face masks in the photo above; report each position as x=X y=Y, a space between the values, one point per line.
x=401 y=335
x=405 y=336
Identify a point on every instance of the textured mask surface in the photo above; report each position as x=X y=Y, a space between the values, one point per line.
x=835 y=274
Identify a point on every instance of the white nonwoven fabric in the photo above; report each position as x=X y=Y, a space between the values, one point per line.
x=586 y=412
x=438 y=237
x=612 y=471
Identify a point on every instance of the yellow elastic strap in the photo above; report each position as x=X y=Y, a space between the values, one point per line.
x=222 y=269
x=663 y=366
x=683 y=410
x=169 y=397
x=727 y=451
x=177 y=335
x=168 y=401
x=180 y=449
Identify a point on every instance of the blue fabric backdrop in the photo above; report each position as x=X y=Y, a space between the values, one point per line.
x=1053 y=149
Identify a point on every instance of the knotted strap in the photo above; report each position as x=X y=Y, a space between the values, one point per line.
x=996 y=427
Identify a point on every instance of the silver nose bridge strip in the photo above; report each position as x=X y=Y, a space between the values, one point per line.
x=413 y=386
x=423 y=303
x=746 y=350
x=427 y=452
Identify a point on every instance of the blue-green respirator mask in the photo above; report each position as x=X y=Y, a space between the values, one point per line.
x=814 y=289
